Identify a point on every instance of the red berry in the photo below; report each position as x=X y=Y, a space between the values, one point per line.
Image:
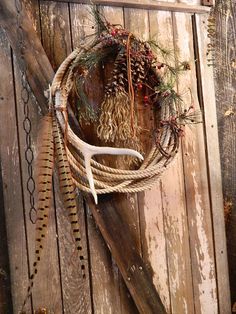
x=140 y=86
x=113 y=32
x=145 y=98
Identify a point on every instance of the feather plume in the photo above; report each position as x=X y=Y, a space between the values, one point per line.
x=67 y=188
x=45 y=160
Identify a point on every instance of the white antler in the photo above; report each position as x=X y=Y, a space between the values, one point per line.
x=86 y=149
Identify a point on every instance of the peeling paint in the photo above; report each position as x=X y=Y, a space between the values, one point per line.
x=207 y=284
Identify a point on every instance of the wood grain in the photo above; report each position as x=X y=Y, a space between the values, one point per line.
x=154 y=244
x=225 y=83
x=104 y=271
x=175 y=218
x=49 y=279
x=196 y=182
x=5 y=284
x=56 y=36
x=11 y=175
x=33 y=46
x=49 y=276
x=149 y=5
x=213 y=160
x=133 y=269
x=57 y=43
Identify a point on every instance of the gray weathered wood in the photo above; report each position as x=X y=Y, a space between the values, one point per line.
x=133 y=269
x=196 y=180
x=148 y=5
x=12 y=180
x=213 y=160
x=56 y=38
x=5 y=284
x=39 y=82
x=103 y=269
x=225 y=83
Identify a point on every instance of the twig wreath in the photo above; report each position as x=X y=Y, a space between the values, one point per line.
x=136 y=75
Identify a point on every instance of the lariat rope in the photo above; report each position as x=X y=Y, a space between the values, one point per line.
x=90 y=175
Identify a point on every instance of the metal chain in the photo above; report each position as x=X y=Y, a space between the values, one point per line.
x=29 y=154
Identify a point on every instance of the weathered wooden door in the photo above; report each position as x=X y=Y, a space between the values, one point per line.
x=178 y=226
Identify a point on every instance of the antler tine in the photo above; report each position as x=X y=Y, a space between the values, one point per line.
x=87 y=150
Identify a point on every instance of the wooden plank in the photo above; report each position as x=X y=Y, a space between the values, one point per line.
x=32 y=9
x=47 y=290
x=214 y=169
x=55 y=31
x=154 y=242
x=150 y=202
x=49 y=268
x=5 y=283
x=75 y=289
x=11 y=175
x=41 y=65
x=148 y=5
x=225 y=86
x=196 y=181
x=173 y=200
x=124 y=201
x=104 y=272
x=175 y=221
x=133 y=269
x=57 y=43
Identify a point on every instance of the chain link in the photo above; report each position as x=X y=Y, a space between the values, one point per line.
x=29 y=154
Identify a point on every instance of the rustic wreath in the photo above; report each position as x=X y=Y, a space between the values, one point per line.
x=136 y=71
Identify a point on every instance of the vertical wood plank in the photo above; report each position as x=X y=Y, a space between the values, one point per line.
x=82 y=23
x=175 y=222
x=32 y=9
x=196 y=182
x=127 y=18
x=153 y=240
x=103 y=272
x=174 y=225
x=211 y=133
x=150 y=202
x=55 y=21
x=124 y=201
x=55 y=31
x=12 y=185
x=5 y=283
x=225 y=84
x=75 y=289
x=48 y=278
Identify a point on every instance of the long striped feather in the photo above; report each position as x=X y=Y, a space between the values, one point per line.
x=67 y=189
x=44 y=169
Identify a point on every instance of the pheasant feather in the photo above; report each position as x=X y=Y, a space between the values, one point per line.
x=67 y=188
x=45 y=162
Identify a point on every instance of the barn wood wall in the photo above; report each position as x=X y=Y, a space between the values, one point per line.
x=172 y=223
x=225 y=66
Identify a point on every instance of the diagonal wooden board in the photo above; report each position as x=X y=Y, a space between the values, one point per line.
x=39 y=74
